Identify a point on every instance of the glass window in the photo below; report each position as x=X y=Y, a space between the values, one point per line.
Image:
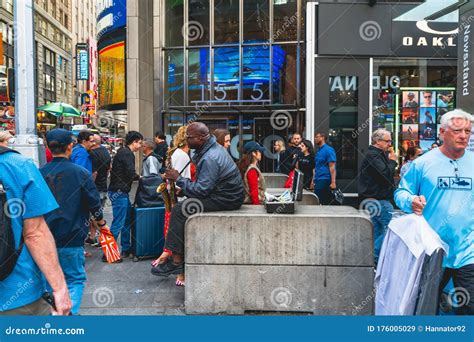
x=256 y=21
x=256 y=73
x=284 y=74
x=174 y=77
x=199 y=75
x=226 y=74
x=343 y=113
x=174 y=22
x=285 y=21
x=226 y=21
x=198 y=25
x=172 y=122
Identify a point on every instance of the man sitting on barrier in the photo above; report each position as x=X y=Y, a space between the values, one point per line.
x=218 y=187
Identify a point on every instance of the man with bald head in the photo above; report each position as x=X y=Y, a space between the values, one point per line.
x=218 y=187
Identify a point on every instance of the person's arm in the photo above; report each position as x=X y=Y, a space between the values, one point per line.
x=252 y=179
x=129 y=164
x=407 y=195
x=93 y=199
x=40 y=243
x=332 y=171
x=381 y=169
x=205 y=184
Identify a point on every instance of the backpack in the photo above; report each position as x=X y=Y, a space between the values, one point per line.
x=8 y=253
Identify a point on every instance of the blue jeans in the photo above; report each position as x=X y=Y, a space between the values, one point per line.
x=121 y=209
x=380 y=223
x=72 y=261
x=322 y=190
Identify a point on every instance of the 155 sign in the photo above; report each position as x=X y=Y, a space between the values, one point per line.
x=82 y=62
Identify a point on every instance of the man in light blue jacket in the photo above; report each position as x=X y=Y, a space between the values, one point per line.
x=439 y=186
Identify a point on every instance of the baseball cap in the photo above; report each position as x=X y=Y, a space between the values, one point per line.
x=253 y=146
x=411 y=94
x=60 y=136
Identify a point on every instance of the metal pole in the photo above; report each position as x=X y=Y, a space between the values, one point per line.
x=26 y=140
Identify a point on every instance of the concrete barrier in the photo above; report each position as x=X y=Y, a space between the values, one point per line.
x=275 y=180
x=317 y=261
x=309 y=198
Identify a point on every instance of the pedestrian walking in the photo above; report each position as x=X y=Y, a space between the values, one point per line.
x=223 y=137
x=161 y=147
x=80 y=153
x=376 y=183
x=306 y=163
x=121 y=177
x=439 y=186
x=325 y=169
x=290 y=156
x=27 y=198
x=254 y=181
x=78 y=198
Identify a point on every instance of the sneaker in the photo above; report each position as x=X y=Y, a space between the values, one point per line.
x=167 y=268
x=96 y=243
x=89 y=240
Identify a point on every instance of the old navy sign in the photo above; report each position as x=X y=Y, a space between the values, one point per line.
x=422 y=38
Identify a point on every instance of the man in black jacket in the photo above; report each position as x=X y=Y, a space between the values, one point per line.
x=218 y=187
x=291 y=155
x=161 y=147
x=121 y=177
x=376 y=184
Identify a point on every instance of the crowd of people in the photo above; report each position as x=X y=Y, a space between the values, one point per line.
x=63 y=201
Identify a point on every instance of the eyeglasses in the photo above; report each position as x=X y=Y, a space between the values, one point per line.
x=427 y=96
x=456 y=169
x=389 y=140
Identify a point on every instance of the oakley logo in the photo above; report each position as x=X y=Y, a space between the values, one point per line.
x=423 y=25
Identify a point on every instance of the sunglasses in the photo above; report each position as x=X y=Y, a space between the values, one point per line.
x=427 y=97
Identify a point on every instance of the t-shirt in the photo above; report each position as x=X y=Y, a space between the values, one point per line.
x=28 y=193
x=449 y=200
x=81 y=157
x=179 y=160
x=324 y=156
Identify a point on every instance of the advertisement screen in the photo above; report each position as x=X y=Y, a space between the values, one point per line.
x=82 y=60
x=111 y=15
x=112 y=76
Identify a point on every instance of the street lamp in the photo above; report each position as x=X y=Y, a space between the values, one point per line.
x=26 y=141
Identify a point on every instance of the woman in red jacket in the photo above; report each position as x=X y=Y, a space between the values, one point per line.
x=254 y=182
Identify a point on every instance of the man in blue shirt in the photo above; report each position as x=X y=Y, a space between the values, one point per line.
x=325 y=170
x=77 y=197
x=439 y=186
x=28 y=199
x=80 y=153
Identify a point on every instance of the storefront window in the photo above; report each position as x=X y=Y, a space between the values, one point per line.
x=226 y=74
x=172 y=122
x=174 y=16
x=198 y=25
x=284 y=74
x=199 y=75
x=410 y=96
x=174 y=77
x=285 y=21
x=256 y=73
x=343 y=113
x=226 y=19
x=256 y=21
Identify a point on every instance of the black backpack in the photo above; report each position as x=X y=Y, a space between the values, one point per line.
x=8 y=253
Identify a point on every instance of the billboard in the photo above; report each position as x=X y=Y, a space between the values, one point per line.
x=111 y=15
x=112 y=76
x=82 y=62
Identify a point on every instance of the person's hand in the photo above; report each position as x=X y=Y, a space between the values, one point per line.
x=392 y=156
x=171 y=175
x=333 y=186
x=418 y=204
x=62 y=302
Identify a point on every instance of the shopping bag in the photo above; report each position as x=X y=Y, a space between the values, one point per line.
x=109 y=246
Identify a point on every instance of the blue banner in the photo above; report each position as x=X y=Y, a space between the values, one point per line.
x=111 y=15
x=237 y=328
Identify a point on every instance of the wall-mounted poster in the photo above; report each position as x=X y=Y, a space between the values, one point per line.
x=112 y=76
x=410 y=115
x=427 y=98
x=427 y=132
x=410 y=132
x=410 y=99
x=427 y=115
